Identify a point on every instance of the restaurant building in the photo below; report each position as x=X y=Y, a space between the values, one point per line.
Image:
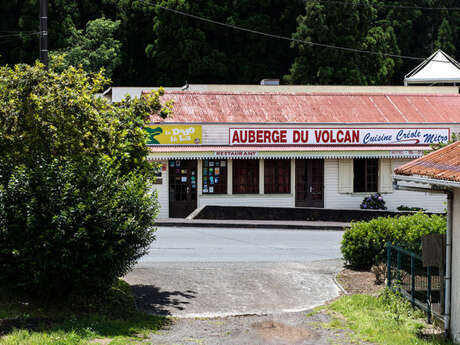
x=274 y=149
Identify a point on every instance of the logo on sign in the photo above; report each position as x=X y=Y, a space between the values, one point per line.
x=174 y=134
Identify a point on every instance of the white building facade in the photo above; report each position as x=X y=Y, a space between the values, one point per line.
x=231 y=149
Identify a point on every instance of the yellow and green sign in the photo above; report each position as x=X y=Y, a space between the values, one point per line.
x=174 y=134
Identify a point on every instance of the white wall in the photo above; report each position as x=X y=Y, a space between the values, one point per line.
x=267 y=200
x=260 y=200
x=162 y=193
x=455 y=302
x=334 y=199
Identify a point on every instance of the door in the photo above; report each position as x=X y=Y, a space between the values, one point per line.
x=309 y=183
x=182 y=187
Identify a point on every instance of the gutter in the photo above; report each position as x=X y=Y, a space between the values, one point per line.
x=437 y=186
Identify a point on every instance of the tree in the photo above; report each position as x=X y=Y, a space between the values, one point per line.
x=96 y=48
x=76 y=210
x=202 y=52
x=445 y=38
x=57 y=114
x=350 y=26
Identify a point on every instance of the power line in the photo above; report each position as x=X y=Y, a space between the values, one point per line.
x=20 y=35
x=408 y=7
x=16 y=31
x=324 y=45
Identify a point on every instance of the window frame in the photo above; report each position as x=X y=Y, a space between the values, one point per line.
x=239 y=180
x=368 y=185
x=223 y=176
x=272 y=168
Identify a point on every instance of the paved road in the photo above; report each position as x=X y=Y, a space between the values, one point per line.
x=193 y=272
x=230 y=245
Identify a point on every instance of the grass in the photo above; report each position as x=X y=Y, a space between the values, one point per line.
x=112 y=320
x=387 y=320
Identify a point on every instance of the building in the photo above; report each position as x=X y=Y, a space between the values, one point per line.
x=440 y=172
x=116 y=94
x=439 y=68
x=275 y=149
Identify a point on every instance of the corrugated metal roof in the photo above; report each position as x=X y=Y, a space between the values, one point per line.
x=221 y=107
x=443 y=164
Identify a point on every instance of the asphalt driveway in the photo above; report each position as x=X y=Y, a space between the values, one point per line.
x=220 y=272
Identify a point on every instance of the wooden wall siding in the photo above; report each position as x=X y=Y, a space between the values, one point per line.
x=334 y=199
x=163 y=194
x=267 y=200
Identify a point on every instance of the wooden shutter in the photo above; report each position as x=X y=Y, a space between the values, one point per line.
x=385 y=176
x=345 y=176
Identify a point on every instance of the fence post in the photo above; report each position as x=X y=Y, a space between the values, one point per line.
x=389 y=265
x=428 y=293
x=412 y=277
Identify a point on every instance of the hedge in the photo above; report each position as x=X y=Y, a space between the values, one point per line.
x=363 y=244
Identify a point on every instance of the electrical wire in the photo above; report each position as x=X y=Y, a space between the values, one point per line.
x=261 y=33
x=16 y=31
x=359 y=3
x=20 y=34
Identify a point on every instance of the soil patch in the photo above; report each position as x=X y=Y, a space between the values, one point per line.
x=359 y=282
x=270 y=330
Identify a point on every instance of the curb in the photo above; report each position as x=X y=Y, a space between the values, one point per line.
x=334 y=278
x=254 y=226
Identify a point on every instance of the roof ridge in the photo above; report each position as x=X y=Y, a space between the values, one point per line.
x=280 y=93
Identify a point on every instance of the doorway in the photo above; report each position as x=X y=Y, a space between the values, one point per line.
x=309 y=183
x=182 y=187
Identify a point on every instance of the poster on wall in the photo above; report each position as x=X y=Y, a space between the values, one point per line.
x=174 y=134
x=338 y=136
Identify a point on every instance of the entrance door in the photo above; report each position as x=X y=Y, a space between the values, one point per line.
x=182 y=188
x=309 y=182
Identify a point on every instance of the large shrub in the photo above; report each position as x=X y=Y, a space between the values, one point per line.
x=69 y=228
x=363 y=244
x=75 y=207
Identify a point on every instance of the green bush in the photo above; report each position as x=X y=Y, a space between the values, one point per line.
x=363 y=244
x=70 y=228
x=409 y=208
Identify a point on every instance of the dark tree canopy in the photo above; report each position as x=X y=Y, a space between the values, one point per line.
x=156 y=47
x=350 y=26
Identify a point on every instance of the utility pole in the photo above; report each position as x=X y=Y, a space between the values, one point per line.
x=44 y=32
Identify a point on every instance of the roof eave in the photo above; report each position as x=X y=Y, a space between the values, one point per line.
x=427 y=180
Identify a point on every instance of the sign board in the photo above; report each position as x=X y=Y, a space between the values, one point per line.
x=174 y=134
x=433 y=250
x=338 y=136
x=232 y=154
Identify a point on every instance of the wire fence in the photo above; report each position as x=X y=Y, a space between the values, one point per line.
x=422 y=286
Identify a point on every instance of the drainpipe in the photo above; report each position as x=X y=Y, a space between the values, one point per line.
x=448 y=263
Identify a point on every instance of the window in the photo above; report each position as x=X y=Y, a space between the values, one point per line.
x=277 y=176
x=214 y=176
x=245 y=176
x=365 y=173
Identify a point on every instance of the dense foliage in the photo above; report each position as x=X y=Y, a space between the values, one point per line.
x=67 y=227
x=363 y=244
x=75 y=207
x=151 y=46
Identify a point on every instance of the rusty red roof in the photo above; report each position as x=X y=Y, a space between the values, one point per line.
x=311 y=107
x=443 y=164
